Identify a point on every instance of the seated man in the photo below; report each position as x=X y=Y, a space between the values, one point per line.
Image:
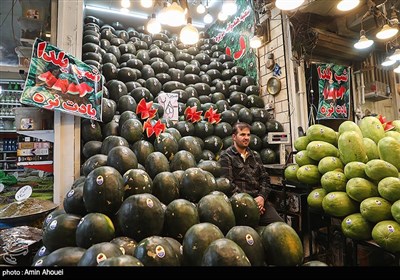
x=247 y=174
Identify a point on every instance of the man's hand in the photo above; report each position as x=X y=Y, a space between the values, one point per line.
x=260 y=203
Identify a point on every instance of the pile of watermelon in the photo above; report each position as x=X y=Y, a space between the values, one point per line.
x=151 y=192
x=355 y=175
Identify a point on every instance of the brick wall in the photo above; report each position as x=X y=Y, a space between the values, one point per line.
x=276 y=47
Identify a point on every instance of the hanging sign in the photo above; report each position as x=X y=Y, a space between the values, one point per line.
x=60 y=82
x=334 y=91
x=233 y=37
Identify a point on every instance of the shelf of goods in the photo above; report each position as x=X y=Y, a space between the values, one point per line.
x=10 y=92
x=35 y=153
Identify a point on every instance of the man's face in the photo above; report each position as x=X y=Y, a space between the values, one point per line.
x=242 y=138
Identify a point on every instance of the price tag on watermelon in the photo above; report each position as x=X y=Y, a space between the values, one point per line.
x=23 y=193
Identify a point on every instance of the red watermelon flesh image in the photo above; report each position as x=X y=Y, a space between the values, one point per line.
x=73 y=89
x=45 y=76
x=61 y=85
x=84 y=88
x=51 y=80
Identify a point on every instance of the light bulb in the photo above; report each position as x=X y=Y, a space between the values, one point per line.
x=347 y=5
x=229 y=7
x=200 y=8
x=222 y=16
x=174 y=15
x=125 y=4
x=255 y=42
x=386 y=32
x=395 y=56
x=208 y=18
x=146 y=3
x=363 y=43
x=388 y=62
x=153 y=26
x=189 y=35
x=288 y=4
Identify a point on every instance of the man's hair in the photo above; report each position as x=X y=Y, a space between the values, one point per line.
x=240 y=126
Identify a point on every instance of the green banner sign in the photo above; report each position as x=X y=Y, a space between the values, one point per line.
x=334 y=91
x=234 y=36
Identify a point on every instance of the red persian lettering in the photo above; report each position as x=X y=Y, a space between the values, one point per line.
x=231 y=25
x=324 y=74
x=58 y=60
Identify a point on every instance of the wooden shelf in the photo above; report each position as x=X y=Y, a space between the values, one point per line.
x=23 y=163
x=47 y=135
x=375 y=96
x=12 y=90
x=8 y=160
x=13 y=170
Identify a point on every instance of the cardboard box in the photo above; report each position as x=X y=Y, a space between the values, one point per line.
x=34 y=145
x=32 y=152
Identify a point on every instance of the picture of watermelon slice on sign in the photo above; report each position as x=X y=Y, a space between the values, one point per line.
x=61 y=85
x=242 y=49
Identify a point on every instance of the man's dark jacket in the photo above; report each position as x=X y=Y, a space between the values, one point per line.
x=247 y=176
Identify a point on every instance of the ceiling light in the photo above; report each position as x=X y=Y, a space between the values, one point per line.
x=397 y=69
x=388 y=62
x=146 y=3
x=117 y=12
x=229 y=7
x=208 y=18
x=364 y=42
x=347 y=5
x=255 y=42
x=125 y=4
x=395 y=56
x=153 y=26
x=288 y=4
x=189 y=34
x=200 y=8
x=173 y=15
x=222 y=16
x=386 y=32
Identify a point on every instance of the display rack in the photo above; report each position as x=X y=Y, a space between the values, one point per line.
x=10 y=93
x=47 y=135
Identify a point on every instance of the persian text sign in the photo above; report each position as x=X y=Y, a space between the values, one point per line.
x=58 y=81
x=334 y=91
x=169 y=101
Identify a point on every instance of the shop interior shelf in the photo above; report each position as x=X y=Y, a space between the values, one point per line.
x=12 y=90
x=46 y=166
x=10 y=103
x=47 y=135
x=35 y=162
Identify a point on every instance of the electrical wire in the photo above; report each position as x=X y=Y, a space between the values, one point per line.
x=312 y=108
x=12 y=8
